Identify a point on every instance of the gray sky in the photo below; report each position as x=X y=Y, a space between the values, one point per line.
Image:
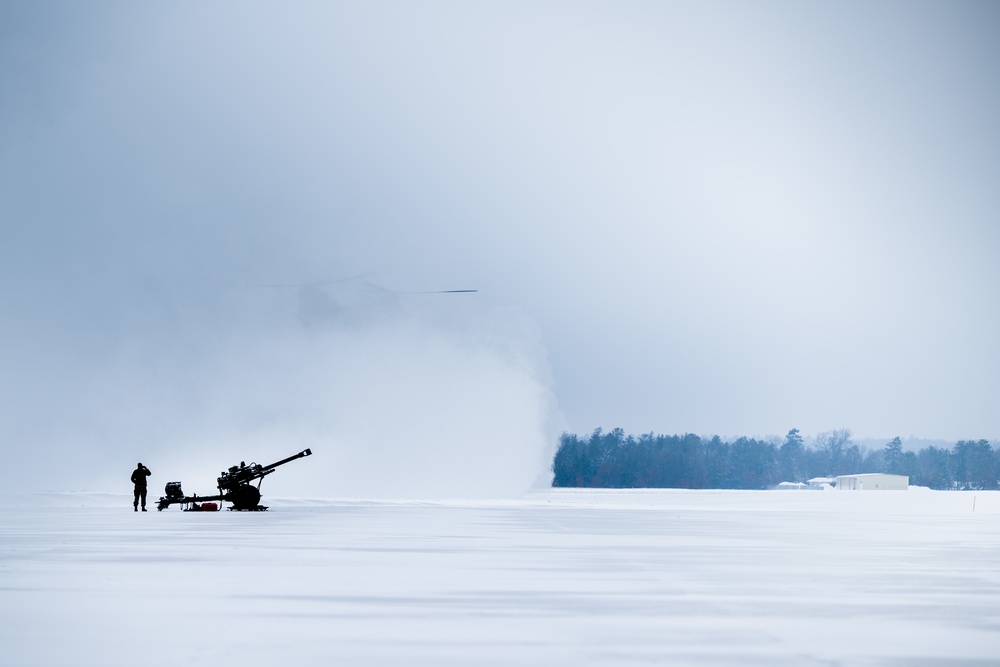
x=731 y=218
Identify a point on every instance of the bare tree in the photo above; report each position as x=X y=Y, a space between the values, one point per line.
x=834 y=445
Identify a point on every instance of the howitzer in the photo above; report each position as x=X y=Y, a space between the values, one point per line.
x=235 y=486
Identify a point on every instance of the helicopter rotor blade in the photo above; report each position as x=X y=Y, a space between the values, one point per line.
x=439 y=292
x=445 y=291
x=381 y=288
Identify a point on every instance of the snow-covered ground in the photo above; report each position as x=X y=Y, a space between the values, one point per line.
x=565 y=577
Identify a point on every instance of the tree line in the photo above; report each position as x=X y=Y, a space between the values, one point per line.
x=616 y=460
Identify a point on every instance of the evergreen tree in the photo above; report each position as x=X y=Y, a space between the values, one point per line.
x=790 y=457
x=718 y=470
x=933 y=469
x=974 y=464
x=892 y=457
x=754 y=464
x=570 y=462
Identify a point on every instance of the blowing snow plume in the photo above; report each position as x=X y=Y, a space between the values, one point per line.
x=394 y=404
x=400 y=408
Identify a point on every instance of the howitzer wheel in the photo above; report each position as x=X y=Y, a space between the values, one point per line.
x=244 y=497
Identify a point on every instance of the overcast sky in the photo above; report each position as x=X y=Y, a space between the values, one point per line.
x=708 y=217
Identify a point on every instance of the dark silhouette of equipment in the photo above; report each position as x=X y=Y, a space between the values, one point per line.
x=235 y=486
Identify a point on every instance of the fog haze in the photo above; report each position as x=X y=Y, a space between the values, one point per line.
x=680 y=217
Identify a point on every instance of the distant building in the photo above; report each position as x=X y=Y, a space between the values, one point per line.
x=874 y=481
x=785 y=486
x=822 y=483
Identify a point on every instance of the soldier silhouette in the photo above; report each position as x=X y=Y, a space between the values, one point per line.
x=139 y=476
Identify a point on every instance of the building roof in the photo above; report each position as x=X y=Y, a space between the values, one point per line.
x=871 y=474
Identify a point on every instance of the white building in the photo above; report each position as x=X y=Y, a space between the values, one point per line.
x=795 y=486
x=873 y=481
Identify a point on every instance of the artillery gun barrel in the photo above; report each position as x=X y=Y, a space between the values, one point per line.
x=304 y=452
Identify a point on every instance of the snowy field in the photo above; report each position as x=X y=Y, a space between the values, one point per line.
x=565 y=577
